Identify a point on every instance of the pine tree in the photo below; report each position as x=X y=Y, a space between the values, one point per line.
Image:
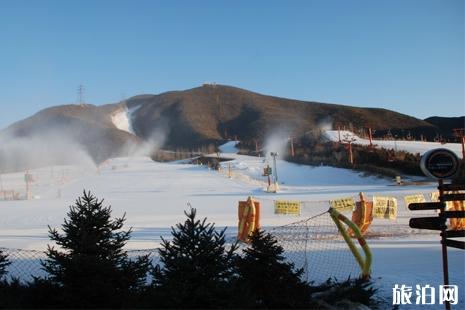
x=196 y=266
x=92 y=267
x=266 y=280
x=3 y=264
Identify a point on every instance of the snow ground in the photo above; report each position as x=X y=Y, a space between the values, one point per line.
x=408 y=146
x=154 y=196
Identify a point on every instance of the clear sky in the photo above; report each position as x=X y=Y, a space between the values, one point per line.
x=403 y=55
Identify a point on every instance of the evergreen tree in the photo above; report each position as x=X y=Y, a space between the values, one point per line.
x=3 y=263
x=196 y=267
x=91 y=266
x=266 y=280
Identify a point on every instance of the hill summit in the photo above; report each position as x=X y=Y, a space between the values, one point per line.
x=215 y=112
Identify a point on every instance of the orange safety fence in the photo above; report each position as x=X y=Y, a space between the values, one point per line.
x=362 y=216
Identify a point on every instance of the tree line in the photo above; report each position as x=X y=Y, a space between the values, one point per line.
x=197 y=269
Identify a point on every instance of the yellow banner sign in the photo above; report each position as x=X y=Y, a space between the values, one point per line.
x=419 y=198
x=434 y=197
x=287 y=207
x=385 y=207
x=344 y=204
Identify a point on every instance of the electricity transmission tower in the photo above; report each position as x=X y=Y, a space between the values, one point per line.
x=80 y=92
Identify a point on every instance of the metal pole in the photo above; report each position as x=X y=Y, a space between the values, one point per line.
x=445 y=264
x=292 y=146
x=274 y=167
x=28 y=195
x=370 y=137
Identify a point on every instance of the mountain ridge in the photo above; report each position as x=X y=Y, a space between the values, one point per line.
x=202 y=115
x=228 y=108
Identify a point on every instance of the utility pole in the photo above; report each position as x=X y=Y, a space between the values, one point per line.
x=292 y=146
x=370 y=136
x=349 y=140
x=351 y=154
x=28 y=179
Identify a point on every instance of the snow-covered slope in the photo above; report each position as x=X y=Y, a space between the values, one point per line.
x=408 y=146
x=122 y=117
x=293 y=177
x=229 y=147
x=154 y=196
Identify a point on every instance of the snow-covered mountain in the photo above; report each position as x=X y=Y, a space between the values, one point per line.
x=178 y=119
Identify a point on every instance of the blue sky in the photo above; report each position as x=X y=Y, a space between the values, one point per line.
x=403 y=55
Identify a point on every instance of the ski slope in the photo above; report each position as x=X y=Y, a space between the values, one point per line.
x=154 y=195
x=408 y=146
x=122 y=117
